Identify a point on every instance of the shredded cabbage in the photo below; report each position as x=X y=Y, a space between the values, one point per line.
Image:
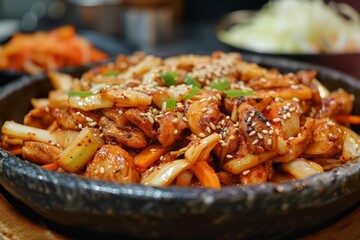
x=298 y=26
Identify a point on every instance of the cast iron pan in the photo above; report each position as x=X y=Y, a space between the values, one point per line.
x=258 y=211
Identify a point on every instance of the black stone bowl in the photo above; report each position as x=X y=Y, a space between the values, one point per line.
x=346 y=62
x=259 y=211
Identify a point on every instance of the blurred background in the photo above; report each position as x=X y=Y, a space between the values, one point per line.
x=156 y=25
x=152 y=26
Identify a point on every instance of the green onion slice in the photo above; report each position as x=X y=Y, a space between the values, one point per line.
x=112 y=73
x=190 y=81
x=221 y=84
x=238 y=93
x=170 y=103
x=169 y=78
x=193 y=92
x=79 y=93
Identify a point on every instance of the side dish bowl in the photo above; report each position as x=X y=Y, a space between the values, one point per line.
x=257 y=211
x=345 y=62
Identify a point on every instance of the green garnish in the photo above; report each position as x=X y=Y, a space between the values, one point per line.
x=238 y=93
x=193 y=92
x=190 y=81
x=79 y=93
x=170 y=103
x=169 y=78
x=111 y=73
x=220 y=84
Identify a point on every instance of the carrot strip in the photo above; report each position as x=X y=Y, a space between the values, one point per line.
x=149 y=155
x=51 y=166
x=16 y=151
x=352 y=119
x=206 y=175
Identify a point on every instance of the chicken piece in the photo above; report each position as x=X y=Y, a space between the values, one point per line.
x=39 y=118
x=256 y=175
x=258 y=102
x=338 y=102
x=231 y=140
x=256 y=129
x=170 y=128
x=112 y=163
x=202 y=115
x=40 y=153
x=73 y=119
x=305 y=77
x=117 y=116
x=327 y=139
x=143 y=120
x=272 y=81
x=128 y=136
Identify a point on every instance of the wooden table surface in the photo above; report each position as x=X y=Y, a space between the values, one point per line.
x=17 y=222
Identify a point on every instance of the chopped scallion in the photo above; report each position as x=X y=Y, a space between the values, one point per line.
x=79 y=93
x=190 y=81
x=220 y=84
x=170 y=103
x=112 y=73
x=238 y=93
x=169 y=78
x=193 y=92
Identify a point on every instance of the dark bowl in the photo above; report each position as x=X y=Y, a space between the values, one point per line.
x=259 y=211
x=345 y=62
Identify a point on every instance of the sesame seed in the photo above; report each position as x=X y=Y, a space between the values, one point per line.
x=224 y=144
x=252 y=114
x=253 y=124
x=202 y=135
x=265 y=131
x=284 y=117
x=255 y=141
x=184 y=119
x=232 y=137
x=176 y=131
x=228 y=117
x=203 y=100
x=252 y=133
x=92 y=124
x=246 y=172
x=277 y=99
x=332 y=102
x=299 y=134
x=153 y=150
x=277 y=131
x=151 y=119
x=295 y=99
x=80 y=125
x=175 y=120
x=268 y=107
x=102 y=170
x=204 y=109
x=271 y=131
x=218 y=96
x=229 y=156
x=78 y=113
x=248 y=119
x=269 y=142
x=208 y=129
x=268 y=124
x=290 y=138
x=212 y=125
x=276 y=120
x=259 y=135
